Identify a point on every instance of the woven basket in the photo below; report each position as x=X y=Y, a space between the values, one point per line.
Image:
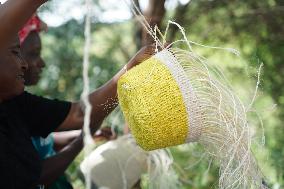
x=156 y=99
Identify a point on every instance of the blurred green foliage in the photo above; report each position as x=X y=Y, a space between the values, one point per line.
x=256 y=28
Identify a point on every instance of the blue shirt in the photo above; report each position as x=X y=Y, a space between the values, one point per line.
x=44 y=146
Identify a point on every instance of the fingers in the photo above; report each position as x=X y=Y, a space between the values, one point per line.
x=144 y=53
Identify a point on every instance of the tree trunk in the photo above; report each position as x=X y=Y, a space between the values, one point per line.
x=154 y=15
x=137 y=28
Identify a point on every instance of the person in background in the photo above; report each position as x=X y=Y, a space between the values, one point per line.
x=51 y=145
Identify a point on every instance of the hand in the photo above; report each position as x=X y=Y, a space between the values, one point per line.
x=143 y=54
x=105 y=133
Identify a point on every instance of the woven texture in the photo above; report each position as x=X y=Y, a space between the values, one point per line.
x=153 y=106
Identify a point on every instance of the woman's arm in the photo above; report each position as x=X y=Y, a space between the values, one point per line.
x=104 y=99
x=13 y=15
x=62 y=139
x=55 y=166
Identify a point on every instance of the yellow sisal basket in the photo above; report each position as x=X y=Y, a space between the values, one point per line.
x=156 y=99
x=175 y=97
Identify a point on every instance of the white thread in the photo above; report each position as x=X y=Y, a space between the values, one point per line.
x=88 y=141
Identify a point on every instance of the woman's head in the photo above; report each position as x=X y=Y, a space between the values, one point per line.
x=12 y=68
x=31 y=51
x=31 y=48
